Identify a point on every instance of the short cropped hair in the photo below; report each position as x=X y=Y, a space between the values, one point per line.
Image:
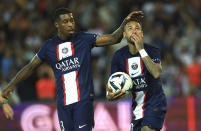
x=60 y=11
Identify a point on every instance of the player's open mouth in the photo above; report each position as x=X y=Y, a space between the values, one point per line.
x=71 y=31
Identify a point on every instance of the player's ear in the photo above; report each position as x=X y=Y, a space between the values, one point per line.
x=124 y=34
x=56 y=24
x=142 y=34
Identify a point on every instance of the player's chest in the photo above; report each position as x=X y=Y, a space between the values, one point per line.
x=67 y=50
x=138 y=72
x=134 y=66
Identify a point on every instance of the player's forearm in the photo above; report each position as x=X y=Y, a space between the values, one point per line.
x=24 y=73
x=118 y=34
x=154 y=68
x=110 y=39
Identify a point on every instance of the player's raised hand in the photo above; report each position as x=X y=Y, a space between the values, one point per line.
x=137 y=39
x=111 y=96
x=8 y=111
x=134 y=14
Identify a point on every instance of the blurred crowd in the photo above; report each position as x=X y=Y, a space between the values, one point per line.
x=172 y=26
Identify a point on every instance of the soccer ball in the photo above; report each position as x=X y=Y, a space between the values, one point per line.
x=120 y=81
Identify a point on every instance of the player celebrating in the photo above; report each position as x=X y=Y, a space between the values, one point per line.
x=142 y=63
x=69 y=55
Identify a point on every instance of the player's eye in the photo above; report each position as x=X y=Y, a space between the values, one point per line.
x=137 y=28
x=129 y=28
x=72 y=20
x=65 y=21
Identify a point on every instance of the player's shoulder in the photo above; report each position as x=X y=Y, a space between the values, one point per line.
x=87 y=34
x=51 y=40
x=84 y=34
x=149 y=47
x=122 y=50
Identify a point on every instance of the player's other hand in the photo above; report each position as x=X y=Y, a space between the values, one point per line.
x=8 y=111
x=137 y=39
x=114 y=96
x=135 y=14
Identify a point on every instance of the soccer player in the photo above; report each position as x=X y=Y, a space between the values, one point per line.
x=69 y=55
x=8 y=111
x=142 y=62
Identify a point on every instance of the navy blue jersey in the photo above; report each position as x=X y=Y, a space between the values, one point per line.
x=71 y=63
x=147 y=92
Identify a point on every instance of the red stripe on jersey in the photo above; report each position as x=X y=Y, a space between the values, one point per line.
x=64 y=90
x=141 y=64
x=78 y=89
x=134 y=102
x=72 y=48
x=58 y=53
x=143 y=103
x=127 y=66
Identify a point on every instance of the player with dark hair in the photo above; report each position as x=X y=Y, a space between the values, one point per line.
x=69 y=55
x=142 y=63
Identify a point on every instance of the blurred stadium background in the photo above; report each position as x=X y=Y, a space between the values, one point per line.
x=172 y=25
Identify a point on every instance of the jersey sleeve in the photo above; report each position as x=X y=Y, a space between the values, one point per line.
x=154 y=54
x=115 y=64
x=42 y=52
x=91 y=39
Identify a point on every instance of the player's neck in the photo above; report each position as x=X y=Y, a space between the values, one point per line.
x=63 y=37
x=132 y=49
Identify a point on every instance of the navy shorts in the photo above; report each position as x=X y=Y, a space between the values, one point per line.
x=152 y=119
x=76 y=117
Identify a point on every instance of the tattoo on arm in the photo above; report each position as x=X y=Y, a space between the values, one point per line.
x=118 y=34
x=25 y=72
x=111 y=39
x=154 y=68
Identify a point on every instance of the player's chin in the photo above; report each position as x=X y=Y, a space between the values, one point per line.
x=70 y=33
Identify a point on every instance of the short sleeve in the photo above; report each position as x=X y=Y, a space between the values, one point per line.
x=115 y=64
x=154 y=54
x=42 y=52
x=91 y=39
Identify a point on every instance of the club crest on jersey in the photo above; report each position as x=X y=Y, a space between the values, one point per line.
x=65 y=50
x=134 y=66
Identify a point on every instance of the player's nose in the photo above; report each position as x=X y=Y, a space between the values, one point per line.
x=133 y=33
x=70 y=24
